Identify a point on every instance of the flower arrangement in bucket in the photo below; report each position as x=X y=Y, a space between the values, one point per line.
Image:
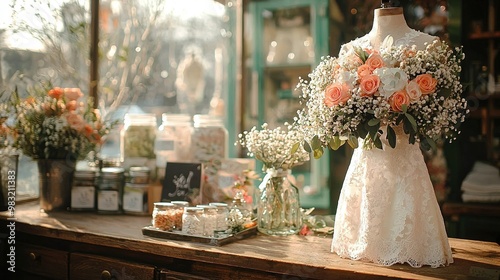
x=398 y=88
x=278 y=207
x=54 y=127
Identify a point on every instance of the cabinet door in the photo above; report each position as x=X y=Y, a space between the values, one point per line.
x=286 y=40
x=42 y=261
x=84 y=267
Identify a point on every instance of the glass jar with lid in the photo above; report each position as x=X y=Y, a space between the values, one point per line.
x=209 y=218
x=222 y=215
x=164 y=216
x=110 y=190
x=173 y=140
x=179 y=211
x=209 y=145
x=137 y=139
x=135 y=192
x=83 y=190
x=192 y=221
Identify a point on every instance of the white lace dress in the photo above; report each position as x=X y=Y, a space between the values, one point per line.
x=387 y=211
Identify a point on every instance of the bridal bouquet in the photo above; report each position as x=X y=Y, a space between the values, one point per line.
x=363 y=90
x=54 y=123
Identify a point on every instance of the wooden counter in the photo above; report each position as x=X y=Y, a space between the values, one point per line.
x=88 y=245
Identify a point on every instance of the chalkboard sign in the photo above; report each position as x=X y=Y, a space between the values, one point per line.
x=182 y=181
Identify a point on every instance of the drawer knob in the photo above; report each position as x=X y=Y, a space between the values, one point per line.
x=106 y=275
x=34 y=256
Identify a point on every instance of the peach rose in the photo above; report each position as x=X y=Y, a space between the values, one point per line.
x=336 y=93
x=426 y=83
x=398 y=99
x=71 y=105
x=56 y=92
x=88 y=130
x=364 y=70
x=72 y=93
x=75 y=121
x=369 y=85
x=375 y=61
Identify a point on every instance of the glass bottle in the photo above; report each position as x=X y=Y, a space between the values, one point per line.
x=173 y=140
x=278 y=208
x=164 y=216
x=110 y=190
x=192 y=222
x=83 y=191
x=135 y=192
x=137 y=139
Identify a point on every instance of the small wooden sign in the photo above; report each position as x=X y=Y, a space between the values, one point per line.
x=182 y=181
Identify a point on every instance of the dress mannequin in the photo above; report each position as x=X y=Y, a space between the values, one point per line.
x=388 y=211
x=391 y=21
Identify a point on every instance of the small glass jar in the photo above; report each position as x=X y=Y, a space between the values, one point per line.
x=137 y=139
x=164 y=214
x=173 y=140
x=135 y=192
x=110 y=190
x=192 y=221
x=83 y=190
x=222 y=215
x=179 y=211
x=209 y=218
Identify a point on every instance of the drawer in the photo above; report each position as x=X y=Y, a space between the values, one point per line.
x=42 y=261
x=174 y=275
x=84 y=266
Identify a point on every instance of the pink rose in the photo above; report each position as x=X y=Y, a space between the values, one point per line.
x=375 y=61
x=75 y=121
x=336 y=93
x=426 y=82
x=72 y=93
x=369 y=85
x=398 y=99
x=71 y=105
x=413 y=90
x=364 y=70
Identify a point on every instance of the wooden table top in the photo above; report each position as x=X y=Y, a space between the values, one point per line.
x=307 y=256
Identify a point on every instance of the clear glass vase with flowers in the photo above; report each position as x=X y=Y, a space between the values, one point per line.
x=278 y=207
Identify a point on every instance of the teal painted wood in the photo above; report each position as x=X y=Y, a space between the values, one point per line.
x=229 y=94
x=319 y=22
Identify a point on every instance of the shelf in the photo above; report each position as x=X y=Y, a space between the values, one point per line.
x=485 y=35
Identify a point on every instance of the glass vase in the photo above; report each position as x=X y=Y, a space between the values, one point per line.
x=278 y=208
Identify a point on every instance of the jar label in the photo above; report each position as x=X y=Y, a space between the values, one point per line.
x=108 y=201
x=165 y=145
x=82 y=197
x=134 y=199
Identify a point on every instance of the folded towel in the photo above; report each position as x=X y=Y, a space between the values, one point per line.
x=466 y=197
x=483 y=178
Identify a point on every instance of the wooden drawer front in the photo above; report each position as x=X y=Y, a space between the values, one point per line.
x=85 y=267
x=43 y=261
x=174 y=275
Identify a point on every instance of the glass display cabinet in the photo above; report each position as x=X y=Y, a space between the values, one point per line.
x=284 y=40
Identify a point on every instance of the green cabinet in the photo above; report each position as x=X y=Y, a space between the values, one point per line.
x=283 y=41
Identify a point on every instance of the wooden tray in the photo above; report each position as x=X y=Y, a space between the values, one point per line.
x=214 y=241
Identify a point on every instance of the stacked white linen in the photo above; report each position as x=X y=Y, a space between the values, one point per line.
x=482 y=184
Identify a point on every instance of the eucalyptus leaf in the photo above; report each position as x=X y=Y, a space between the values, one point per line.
x=431 y=143
x=318 y=153
x=377 y=143
x=335 y=143
x=295 y=148
x=412 y=121
x=353 y=141
x=307 y=147
x=315 y=142
x=391 y=136
x=373 y=122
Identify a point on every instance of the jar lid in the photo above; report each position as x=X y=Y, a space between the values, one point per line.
x=140 y=118
x=206 y=120
x=218 y=204
x=162 y=204
x=193 y=209
x=139 y=171
x=85 y=174
x=112 y=172
x=180 y=202
x=184 y=118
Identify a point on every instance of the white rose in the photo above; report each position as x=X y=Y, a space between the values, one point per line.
x=413 y=90
x=348 y=78
x=391 y=80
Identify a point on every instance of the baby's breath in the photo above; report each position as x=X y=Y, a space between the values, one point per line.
x=275 y=147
